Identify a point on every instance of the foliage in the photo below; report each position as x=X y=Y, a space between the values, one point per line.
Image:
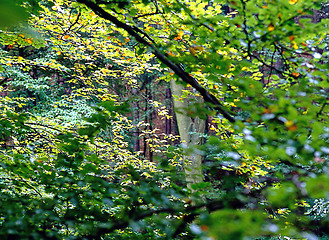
x=67 y=170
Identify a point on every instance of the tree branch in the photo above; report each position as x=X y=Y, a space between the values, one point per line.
x=3 y=80
x=186 y=77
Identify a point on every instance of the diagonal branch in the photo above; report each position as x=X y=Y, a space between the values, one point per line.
x=4 y=80
x=186 y=77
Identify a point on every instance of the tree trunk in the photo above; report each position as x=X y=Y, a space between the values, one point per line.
x=136 y=141
x=168 y=105
x=186 y=126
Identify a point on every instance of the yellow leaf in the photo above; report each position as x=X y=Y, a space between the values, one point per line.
x=270 y=27
x=295 y=46
x=289 y=123
x=293 y=1
x=179 y=35
x=147 y=29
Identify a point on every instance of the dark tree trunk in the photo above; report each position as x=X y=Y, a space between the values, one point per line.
x=136 y=140
x=168 y=120
x=146 y=121
x=150 y=118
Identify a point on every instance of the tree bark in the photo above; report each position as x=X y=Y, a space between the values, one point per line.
x=189 y=131
x=168 y=105
x=136 y=140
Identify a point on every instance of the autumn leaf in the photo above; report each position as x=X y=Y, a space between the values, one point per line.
x=267 y=111
x=204 y=227
x=289 y=123
x=147 y=29
x=170 y=53
x=28 y=40
x=196 y=49
x=295 y=46
x=179 y=35
x=270 y=27
x=293 y=1
x=295 y=74
x=293 y=128
x=192 y=51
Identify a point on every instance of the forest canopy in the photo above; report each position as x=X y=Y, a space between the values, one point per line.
x=156 y=119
